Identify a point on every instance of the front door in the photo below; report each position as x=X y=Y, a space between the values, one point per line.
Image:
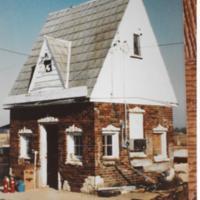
x=52 y=156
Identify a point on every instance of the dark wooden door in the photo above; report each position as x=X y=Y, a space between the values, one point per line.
x=52 y=156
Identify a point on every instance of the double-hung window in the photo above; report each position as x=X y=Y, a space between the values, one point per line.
x=74 y=145
x=108 y=145
x=25 y=136
x=78 y=146
x=110 y=142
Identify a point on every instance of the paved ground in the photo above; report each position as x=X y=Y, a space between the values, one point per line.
x=50 y=194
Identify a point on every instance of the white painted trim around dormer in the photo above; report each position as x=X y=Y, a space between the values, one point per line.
x=68 y=64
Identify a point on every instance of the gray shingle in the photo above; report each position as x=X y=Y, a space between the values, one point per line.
x=91 y=27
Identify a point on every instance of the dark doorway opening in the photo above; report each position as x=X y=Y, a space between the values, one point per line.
x=52 y=156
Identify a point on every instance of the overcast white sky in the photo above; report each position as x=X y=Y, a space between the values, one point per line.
x=22 y=20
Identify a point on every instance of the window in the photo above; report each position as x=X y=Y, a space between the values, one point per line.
x=25 y=147
x=47 y=63
x=160 y=144
x=25 y=143
x=107 y=145
x=137 y=142
x=78 y=146
x=136 y=45
x=74 y=145
x=110 y=142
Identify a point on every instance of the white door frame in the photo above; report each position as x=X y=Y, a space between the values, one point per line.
x=43 y=156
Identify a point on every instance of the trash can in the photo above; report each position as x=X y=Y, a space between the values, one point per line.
x=20 y=186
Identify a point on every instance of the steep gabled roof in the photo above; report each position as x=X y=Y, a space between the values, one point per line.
x=91 y=28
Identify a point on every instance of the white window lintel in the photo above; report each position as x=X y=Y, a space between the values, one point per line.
x=48 y=120
x=73 y=129
x=136 y=110
x=25 y=131
x=160 y=129
x=110 y=130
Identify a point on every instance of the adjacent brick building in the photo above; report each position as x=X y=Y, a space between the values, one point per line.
x=92 y=107
x=190 y=70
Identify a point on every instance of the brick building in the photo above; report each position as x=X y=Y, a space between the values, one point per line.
x=93 y=102
x=190 y=71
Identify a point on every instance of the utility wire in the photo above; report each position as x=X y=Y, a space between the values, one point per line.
x=24 y=54
x=164 y=44
x=13 y=52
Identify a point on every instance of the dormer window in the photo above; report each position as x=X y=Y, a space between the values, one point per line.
x=136 y=45
x=47 y=63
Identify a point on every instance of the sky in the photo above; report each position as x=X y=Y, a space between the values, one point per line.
x=22 y=20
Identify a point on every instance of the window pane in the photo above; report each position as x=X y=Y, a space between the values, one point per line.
x=136 y=44
x=104 y=140
x=78 y=145
x=109 y=139
x=77 y=150
x=107 y=145
x=109 y=150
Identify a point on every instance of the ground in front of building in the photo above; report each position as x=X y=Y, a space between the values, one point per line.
x=51 y=194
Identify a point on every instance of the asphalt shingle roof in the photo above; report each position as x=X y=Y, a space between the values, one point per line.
x=91 y=27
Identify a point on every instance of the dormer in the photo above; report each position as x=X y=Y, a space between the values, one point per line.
x=52 y=68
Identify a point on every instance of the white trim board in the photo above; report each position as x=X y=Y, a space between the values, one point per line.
x=47 y=95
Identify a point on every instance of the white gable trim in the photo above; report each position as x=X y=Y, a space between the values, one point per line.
x=68 y=64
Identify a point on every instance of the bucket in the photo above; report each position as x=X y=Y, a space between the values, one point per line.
x=20 y=186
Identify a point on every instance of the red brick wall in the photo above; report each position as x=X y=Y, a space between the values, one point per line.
x=91 y=118
x=190 y=71
x=106 y=114
x=80 y=114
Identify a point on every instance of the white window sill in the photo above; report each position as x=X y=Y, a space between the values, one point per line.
x=137 y=155
x=161 y=158
x=136 y=56
x=110 y=158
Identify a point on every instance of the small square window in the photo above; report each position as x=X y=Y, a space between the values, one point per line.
x=136 y=45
